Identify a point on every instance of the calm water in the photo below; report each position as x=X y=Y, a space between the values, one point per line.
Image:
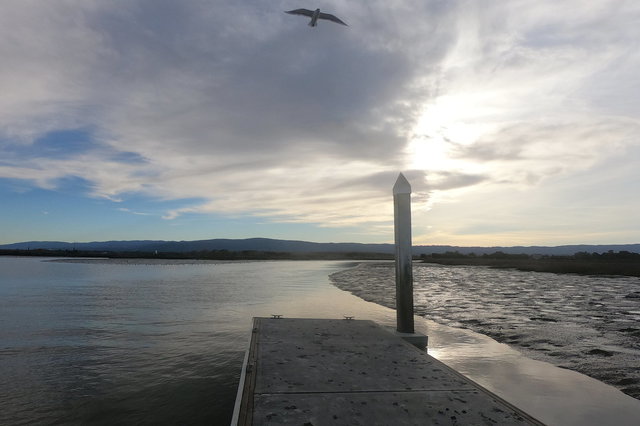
x=109 y=342
x=106 y=342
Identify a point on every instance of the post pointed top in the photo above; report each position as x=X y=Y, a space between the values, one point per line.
x=402 y=185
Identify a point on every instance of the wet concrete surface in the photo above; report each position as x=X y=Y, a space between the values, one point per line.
x=314 y=372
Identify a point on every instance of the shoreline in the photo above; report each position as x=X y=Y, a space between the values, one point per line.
x=592 y=331
x=556 y=265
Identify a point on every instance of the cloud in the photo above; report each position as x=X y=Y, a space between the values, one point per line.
x=580 y=141
x=248 y=109
x=125 y=210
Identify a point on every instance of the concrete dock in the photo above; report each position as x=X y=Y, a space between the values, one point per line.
x=334 y=372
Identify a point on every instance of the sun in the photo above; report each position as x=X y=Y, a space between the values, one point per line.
x=443 y=126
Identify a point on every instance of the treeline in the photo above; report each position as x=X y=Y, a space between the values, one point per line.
x=200 y=255
x=609 y=263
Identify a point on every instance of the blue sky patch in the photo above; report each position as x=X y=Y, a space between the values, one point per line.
x=56 y=144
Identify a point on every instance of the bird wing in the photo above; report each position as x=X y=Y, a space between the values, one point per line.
x=305 y=12
x=330 y=17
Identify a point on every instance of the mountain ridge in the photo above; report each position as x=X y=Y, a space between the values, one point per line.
x=298 y=246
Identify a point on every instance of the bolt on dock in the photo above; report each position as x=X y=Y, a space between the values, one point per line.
x=331 y=372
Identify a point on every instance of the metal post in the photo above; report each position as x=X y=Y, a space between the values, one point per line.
x=404 y=272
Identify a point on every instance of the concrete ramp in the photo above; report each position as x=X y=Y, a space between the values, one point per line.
x=339 y=372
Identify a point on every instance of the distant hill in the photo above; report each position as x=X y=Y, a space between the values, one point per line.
x=291 y=246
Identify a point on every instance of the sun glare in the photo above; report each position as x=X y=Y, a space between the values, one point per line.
x=442 y=126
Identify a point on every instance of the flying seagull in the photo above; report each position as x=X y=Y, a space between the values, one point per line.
x=315 y=15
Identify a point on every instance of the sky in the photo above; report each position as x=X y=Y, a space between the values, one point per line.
x=516 y=123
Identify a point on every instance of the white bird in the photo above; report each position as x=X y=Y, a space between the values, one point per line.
x=315 y=15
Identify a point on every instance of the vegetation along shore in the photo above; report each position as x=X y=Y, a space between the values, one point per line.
x=609 y=263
